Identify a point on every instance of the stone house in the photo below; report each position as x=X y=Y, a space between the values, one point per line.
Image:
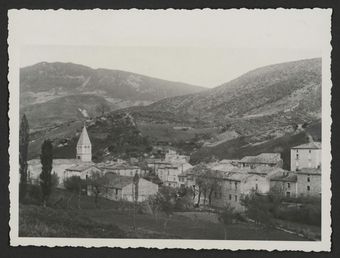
x=309 y=182
x=66 y=167
x=284 y=185
x=123 y=188
x=263 y=159
x=305 y=156
x=169 y=173
x=187 y=178
x=58 y=166
x=121 y=169
x=82 y=170
x=235 y=186
x=172 y=156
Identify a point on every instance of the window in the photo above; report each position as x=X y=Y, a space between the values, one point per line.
x=288 y=185
x=308 y=179
x=310 y=151
x=308 y=188
x=256 y=187
x=116 y=191
x=235 y=185
x=230 y=197
x=288 y=194
x=235 y=198
x=297 y=156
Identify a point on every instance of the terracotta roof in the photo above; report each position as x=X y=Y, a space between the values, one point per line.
x=310 y=145
x=263 y=158
x=290 y=177
x=84 y=138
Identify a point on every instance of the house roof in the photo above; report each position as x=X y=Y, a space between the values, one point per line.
x=34 y=162
x=237 y=176
x=84 y=138
x=116 y=181
x=222 y=166
x=310 y=145
x=119 y=182
x=290 y=177
x=312 y=171
x=263 y=158
x=120 y=166
x=80 y=167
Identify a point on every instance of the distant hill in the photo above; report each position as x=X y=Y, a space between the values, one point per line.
x=68 y=108
x=292 y=86
x=269 y=109
x=46 y=82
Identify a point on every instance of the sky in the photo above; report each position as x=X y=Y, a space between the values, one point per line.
x=200 y=47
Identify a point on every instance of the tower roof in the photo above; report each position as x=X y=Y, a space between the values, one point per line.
x=84 y=138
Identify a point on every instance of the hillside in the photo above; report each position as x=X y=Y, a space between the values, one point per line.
x=45 y=87
x=269 y=109
x=68 y=108
x=292 y=86
x=45 y=81
x=270 y=98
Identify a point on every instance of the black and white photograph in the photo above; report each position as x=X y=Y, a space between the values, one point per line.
x=202 y=129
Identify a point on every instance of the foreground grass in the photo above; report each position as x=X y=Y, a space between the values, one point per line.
x=36 y=221
x=117 y=220
x=47 y=222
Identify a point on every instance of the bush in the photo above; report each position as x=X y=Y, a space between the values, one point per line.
x=34 y=194
x=306 y=214
x=74 y=184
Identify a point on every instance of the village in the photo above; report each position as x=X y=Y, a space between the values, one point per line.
x=218 y=184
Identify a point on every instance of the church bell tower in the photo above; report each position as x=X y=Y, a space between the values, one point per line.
x=84 y=147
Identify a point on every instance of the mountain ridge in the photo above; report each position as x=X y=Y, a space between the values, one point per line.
x=44 y=83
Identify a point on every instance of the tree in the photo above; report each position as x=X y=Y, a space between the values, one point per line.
x=96 y=181
x=75 y=184
x=54 y=180
x=102 y=108
x=164 y=201
x=207 y=182
x=184 y=200
x=135 y=197
x=198 y=171
x=46 y=159
x=258 y=207
x=226 y=217
x=23 y=150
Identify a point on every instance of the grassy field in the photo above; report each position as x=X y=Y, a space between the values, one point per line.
x=113 y=221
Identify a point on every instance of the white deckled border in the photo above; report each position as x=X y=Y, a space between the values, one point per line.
x=14 y=63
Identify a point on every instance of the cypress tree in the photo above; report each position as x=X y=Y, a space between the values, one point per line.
x=23 y=150
x=46 y=159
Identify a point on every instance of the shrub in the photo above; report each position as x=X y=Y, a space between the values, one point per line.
x=34 y=194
